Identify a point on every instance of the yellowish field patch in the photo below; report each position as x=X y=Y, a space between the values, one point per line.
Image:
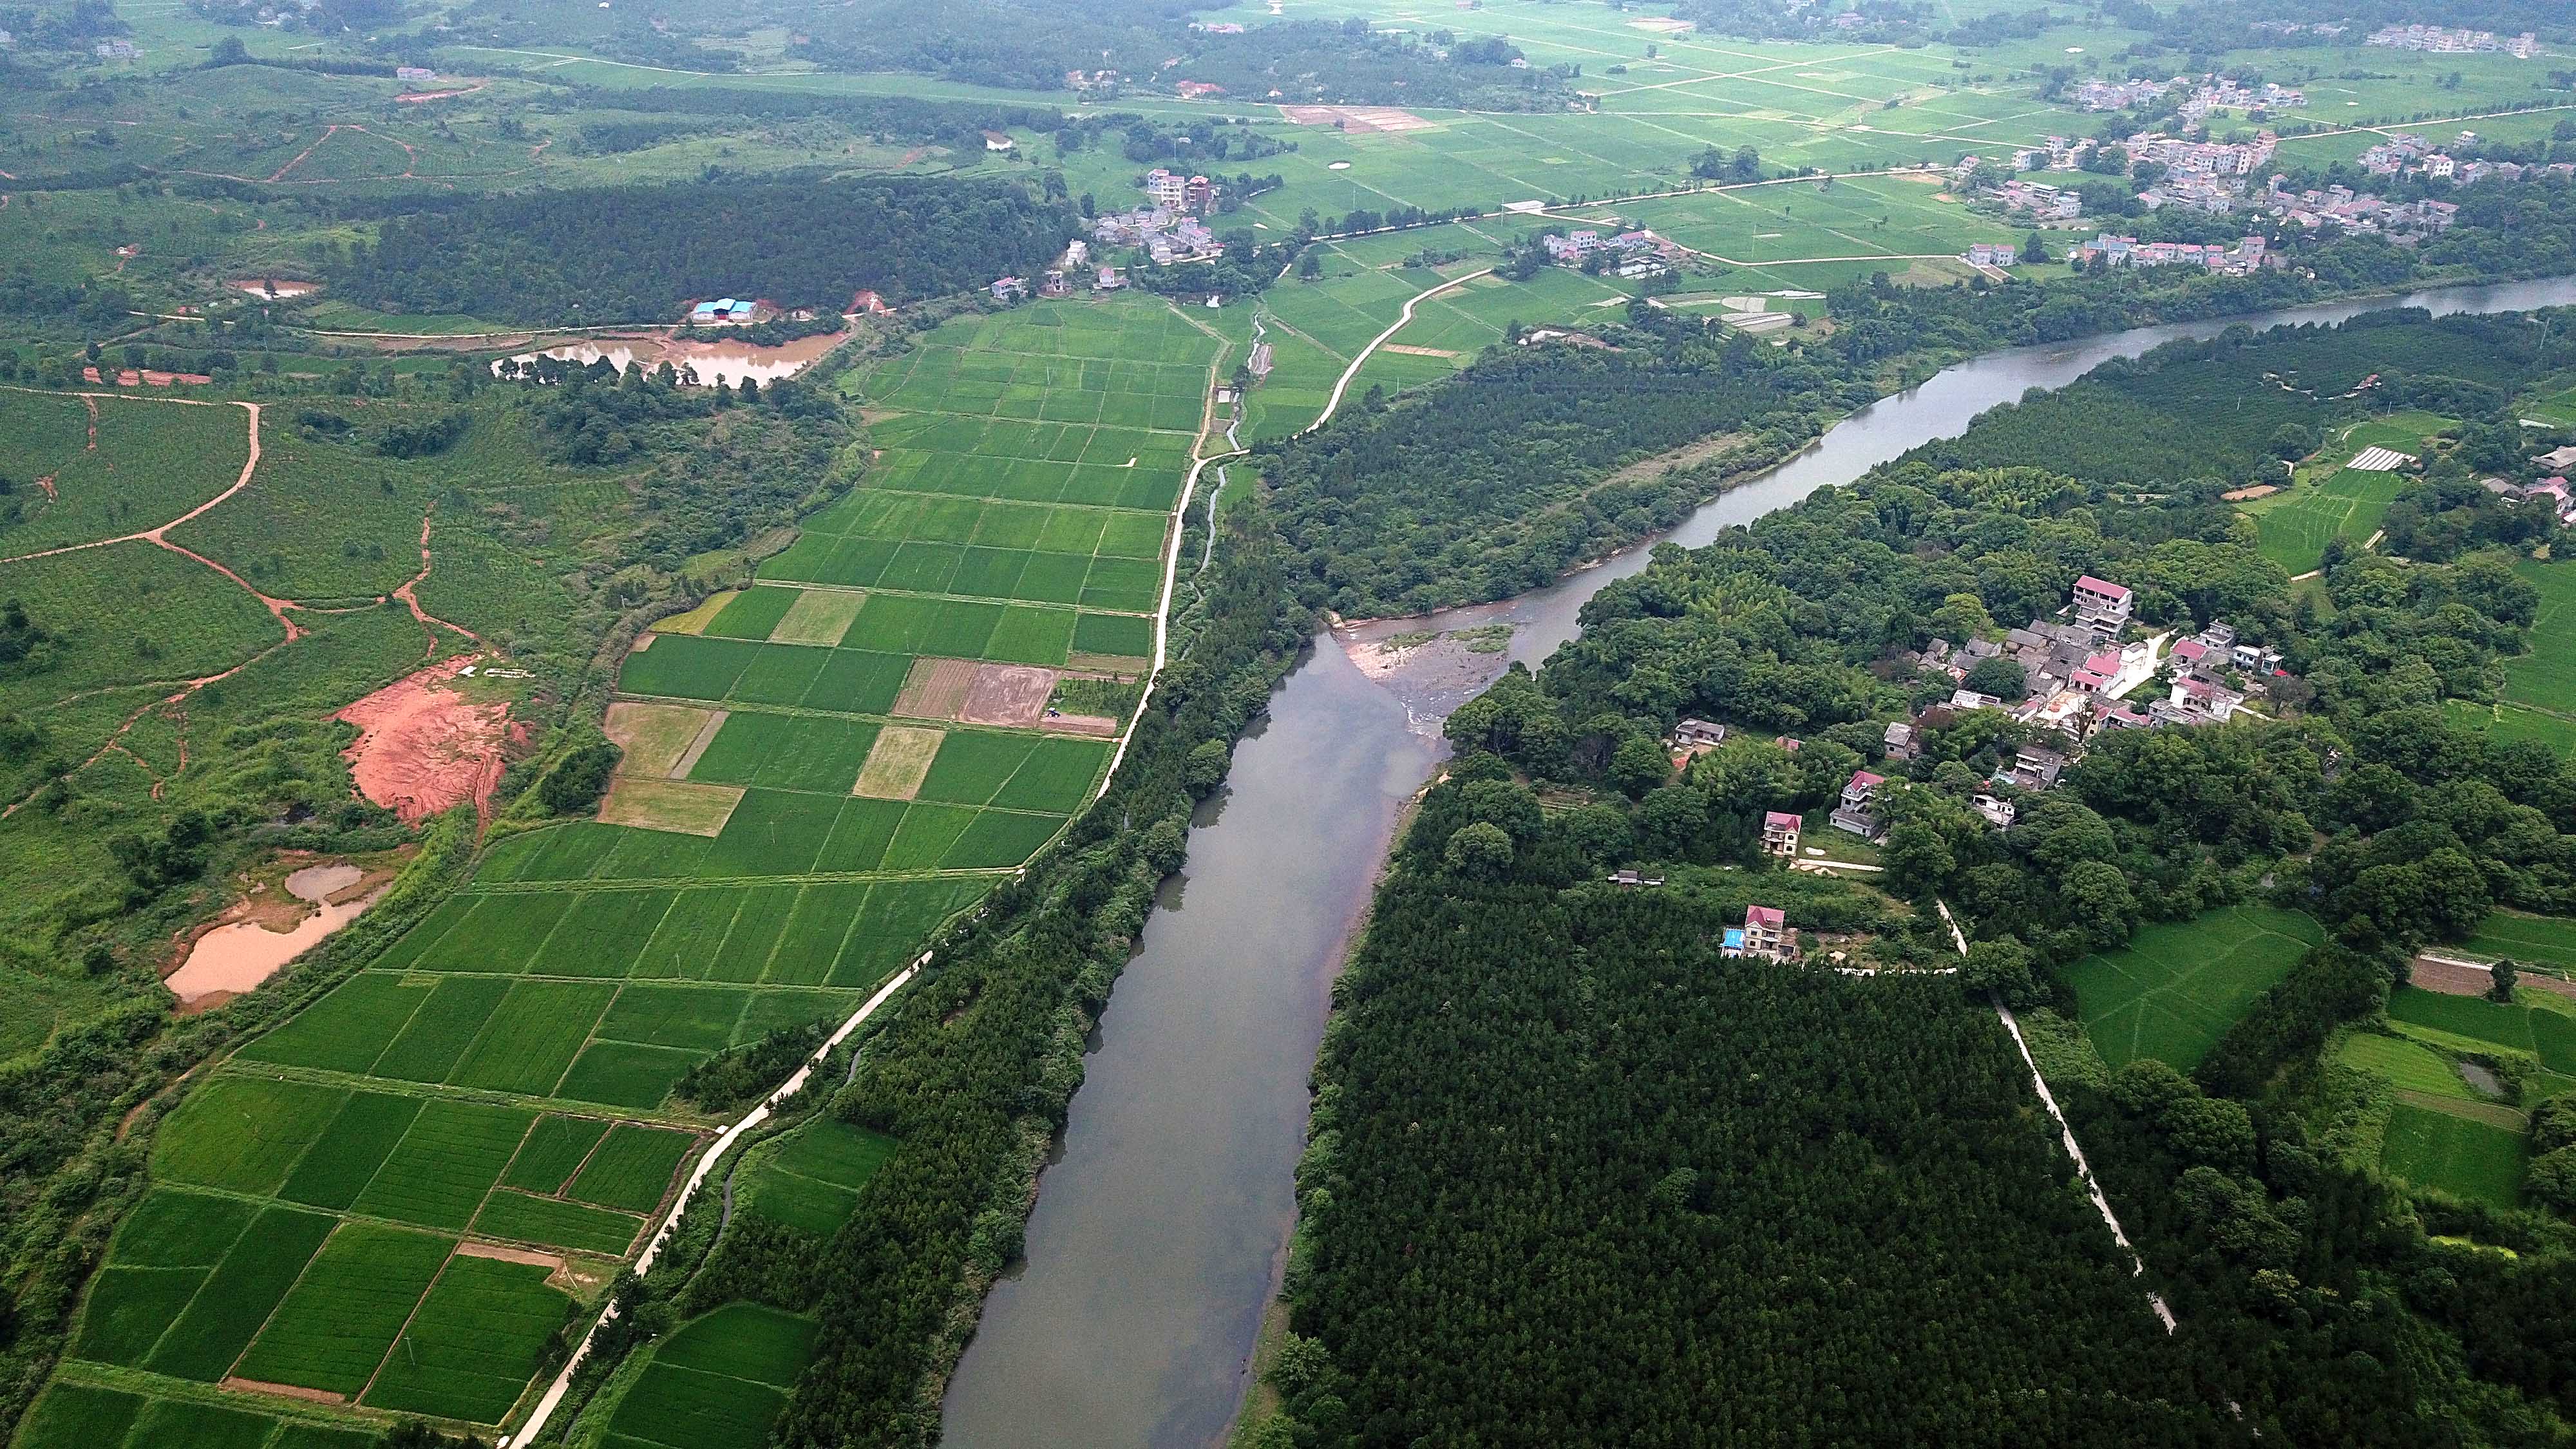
x=673 y=805
x=655 y=737
x=696 y=620
x=819 y=616
x=897 y=762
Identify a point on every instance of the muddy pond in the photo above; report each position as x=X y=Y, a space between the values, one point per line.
x=238 y=956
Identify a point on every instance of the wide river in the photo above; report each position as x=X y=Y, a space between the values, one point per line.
x=1163 y=1219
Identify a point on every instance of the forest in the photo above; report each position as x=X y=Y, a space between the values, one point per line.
x=1497 y=481
x=1576 y=1180
x=1504 y=997
x=641 y=253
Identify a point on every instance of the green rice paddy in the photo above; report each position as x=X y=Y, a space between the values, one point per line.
x=2176 y=988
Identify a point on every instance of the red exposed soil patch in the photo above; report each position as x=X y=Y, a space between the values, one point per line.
x=287 y=1391
x=2453 y=978
x=1007 y=694
x=47 y=483
x=499 y=1254
x=423 y=748
x=413 y=98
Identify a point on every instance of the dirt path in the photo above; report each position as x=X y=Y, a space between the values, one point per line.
x=430 y=623
x=1342 y=383
x=2066 y=1134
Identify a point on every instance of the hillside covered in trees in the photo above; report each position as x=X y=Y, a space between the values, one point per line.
x=639 y=254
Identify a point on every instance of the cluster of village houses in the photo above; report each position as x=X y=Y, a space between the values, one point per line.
x=2408 y=154
x=2555 y=487
x=2079 y=666
x=1168 y=228
x=1629 y=254
x=2447 y=40
x=2208 y=93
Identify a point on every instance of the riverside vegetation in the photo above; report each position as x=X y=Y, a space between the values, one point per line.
x=1506 y=997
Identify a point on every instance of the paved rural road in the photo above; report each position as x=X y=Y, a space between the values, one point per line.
x=1343 y=383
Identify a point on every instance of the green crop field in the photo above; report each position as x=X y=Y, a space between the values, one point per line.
x=334 y=1327
x=2480 y=1161
x=2332 y=501
x=2546 y=677
x=717 y=1382
x=811 y=1180
x=2533 y=940
x=2175 y=989
x=632 y=1168
x=467 y=1352
x=553 y=1150
x=2542 y=1031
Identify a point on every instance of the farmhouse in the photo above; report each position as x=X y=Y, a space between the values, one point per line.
x=1697 y=734
x=1765 y=933
x=2101 y=605
x=1780 y=834
x=1856 y=814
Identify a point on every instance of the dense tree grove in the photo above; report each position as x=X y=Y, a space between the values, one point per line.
x=641 y=253
x=1493 y=484
x=1575 y=1180
x=1572 y=1178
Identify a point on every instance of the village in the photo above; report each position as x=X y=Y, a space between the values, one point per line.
x=2087 y=670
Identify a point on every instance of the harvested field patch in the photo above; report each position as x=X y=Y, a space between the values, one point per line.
x=423 y=748
x=1009 y=695
x=819 y=616
x=936 y=688
x=673 y=805
x=333 y=1329
x=695 y=621
x=899 y=761
x=656 y=737
x=469 y=1351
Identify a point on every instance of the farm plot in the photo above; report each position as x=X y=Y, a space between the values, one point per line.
x=2533 y=940
x=2175 y=989
x=2481 y=1161
x=717 y=1383
x=2546 y=677
x=811 y=1180
x=2337 y=500
x=769 y=850
x=150 y=463
x=2547 y=1034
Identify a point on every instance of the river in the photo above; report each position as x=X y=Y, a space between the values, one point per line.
x=1163 y=1217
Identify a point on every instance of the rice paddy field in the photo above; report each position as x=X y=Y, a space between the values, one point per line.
x=2176 y=988
x=2545 y=678
x=394 y=1199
